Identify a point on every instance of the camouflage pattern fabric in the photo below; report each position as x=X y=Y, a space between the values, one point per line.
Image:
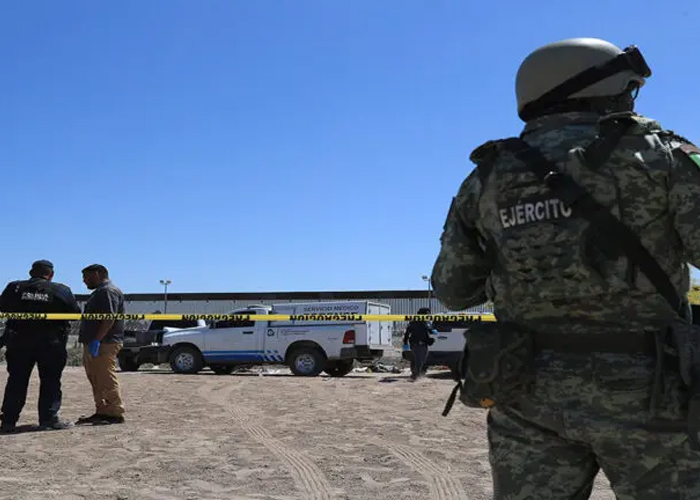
x=586 y=413
x=508 y=240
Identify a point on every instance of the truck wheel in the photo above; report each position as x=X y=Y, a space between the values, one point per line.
x=221 y=369
x=306 y=362
x=186 y=359
x=339 y=368
x=128 y=363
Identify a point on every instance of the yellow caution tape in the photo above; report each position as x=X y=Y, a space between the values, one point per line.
x=448 y=318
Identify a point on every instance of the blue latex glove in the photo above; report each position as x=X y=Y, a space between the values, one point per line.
x=406 y=347
x=434 y=331
x=94 y=347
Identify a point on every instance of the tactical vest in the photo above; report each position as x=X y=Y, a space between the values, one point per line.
x=549 y=262
x=35 y=296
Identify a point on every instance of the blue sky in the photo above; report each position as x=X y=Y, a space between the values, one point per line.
x=262 y=145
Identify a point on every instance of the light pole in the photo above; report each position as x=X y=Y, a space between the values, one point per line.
x=165 y=284
x=427 y=280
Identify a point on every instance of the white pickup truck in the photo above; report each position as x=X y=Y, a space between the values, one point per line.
x=307 y=347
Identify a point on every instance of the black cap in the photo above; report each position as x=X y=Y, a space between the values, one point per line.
x=42 y=263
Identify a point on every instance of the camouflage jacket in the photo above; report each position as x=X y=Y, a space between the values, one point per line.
x=508 y=239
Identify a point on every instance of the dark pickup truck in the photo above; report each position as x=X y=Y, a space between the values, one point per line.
x=142 y=346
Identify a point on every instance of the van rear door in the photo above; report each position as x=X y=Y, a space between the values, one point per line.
x=378 y=332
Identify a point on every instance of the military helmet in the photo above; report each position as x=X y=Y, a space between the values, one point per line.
x=576 y=68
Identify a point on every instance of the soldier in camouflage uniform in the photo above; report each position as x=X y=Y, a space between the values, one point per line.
x=508 y=240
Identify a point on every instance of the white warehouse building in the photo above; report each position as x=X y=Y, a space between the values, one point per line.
x=401 y=301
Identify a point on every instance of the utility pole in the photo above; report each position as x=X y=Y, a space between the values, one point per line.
x=165 y=284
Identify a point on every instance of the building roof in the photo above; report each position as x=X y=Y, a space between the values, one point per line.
x=306 y=295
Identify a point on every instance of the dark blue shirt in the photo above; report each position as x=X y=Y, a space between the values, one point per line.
x=38 y=295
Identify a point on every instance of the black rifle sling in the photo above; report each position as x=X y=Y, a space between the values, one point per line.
x=582 y=203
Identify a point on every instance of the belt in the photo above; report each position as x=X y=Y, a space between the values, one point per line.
x=609 y=343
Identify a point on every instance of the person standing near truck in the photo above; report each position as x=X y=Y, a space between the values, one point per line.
x=36 y=342
x=102 y=340
x=418 y=337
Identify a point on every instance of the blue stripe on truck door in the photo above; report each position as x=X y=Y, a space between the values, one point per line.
x=255 y=355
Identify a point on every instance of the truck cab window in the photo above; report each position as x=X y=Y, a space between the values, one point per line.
x=234 y=324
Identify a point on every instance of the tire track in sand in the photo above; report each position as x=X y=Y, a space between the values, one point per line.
x=442 y=485
x=306 y=475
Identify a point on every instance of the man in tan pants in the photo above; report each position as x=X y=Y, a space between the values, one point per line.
x=102 y=340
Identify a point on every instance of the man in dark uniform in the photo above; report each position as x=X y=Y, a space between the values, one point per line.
x=418 y=336
x=40 y=342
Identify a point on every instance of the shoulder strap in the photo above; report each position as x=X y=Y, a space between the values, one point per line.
x=611 y=131
x=484 y=156
x=582 y=203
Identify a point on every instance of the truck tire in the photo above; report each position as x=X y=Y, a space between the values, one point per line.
x=307 y=361
x=186 y=359
x=221 y=369
x=339 y=368
x=128 y=363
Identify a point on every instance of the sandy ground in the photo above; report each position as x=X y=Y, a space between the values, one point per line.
x=251 y=436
